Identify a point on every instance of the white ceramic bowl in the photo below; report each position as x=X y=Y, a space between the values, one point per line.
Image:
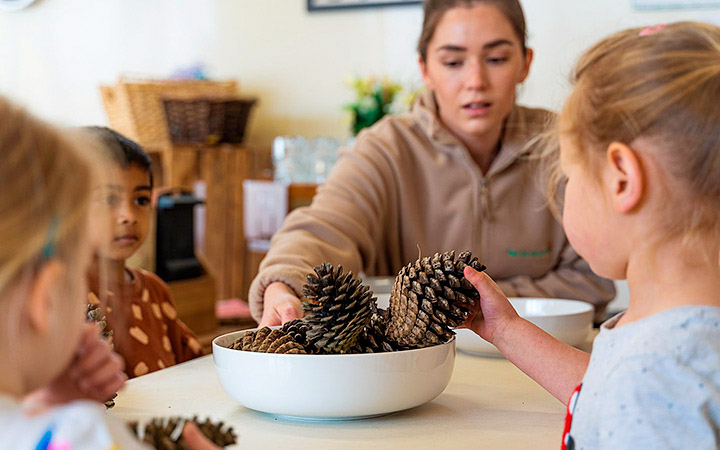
x=331 y=387
x=569 y=321
x=380 y=285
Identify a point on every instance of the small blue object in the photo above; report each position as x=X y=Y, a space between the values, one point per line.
x=48 y=250
x=193 y=72
x=44 y=440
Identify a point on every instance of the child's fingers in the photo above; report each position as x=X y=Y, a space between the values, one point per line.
x=87 y=362
x=111 y=387
x=485 y=285
x=96 y=355
x=195 y=439
x=101 y=376
x=90 y=333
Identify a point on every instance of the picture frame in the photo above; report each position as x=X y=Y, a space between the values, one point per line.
x=647 y=5
x=326 y=5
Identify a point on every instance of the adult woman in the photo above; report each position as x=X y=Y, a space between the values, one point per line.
x=452 y=174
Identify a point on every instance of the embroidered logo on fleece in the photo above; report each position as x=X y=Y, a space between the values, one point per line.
x=530 y=254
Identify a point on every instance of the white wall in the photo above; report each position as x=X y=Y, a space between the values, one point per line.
x=54 y=54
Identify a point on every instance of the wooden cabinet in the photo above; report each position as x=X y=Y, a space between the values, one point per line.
x=195 y=302
x=223 y=168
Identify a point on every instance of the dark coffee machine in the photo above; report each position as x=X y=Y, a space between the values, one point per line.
x=175 y=243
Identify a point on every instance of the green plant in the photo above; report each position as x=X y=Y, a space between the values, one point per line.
x=376 y=97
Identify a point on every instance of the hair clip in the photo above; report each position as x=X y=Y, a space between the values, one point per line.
x=48 y=249
x=652 y=29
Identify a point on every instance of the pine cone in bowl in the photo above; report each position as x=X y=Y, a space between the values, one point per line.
x=429 y=298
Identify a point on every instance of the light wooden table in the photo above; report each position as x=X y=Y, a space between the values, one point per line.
x=488 y=404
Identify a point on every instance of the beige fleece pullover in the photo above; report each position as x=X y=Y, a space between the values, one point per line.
x=407 y=182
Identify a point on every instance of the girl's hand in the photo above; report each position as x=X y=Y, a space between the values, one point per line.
x=280 y=305
x=493 y=313
x=196 y=440
x=97 y=369
x=557 y=367
x=96 y=373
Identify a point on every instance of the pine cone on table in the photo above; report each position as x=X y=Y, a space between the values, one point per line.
x=166 y=433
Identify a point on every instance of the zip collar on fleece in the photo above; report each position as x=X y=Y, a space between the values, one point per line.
x=514 y=137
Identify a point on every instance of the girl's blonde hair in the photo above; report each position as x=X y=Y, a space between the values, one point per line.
x=46 y=180
x=661 y=84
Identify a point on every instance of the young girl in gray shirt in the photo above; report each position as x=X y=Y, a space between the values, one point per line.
x=638 y=148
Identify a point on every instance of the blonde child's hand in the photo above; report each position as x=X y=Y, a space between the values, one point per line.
x=96 y=373
x=97 y=369
x=195 y=439
x=493 y=313
x=280 y=305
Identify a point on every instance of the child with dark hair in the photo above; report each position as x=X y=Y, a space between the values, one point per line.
x=138 y=304
x=123 y=150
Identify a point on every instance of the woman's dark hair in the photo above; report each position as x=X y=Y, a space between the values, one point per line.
x=435 y=9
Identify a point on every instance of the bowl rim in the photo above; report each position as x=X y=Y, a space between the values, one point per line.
x=337 y=355
x=586 y=306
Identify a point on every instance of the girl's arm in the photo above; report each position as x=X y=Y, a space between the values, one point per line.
x=556 y=366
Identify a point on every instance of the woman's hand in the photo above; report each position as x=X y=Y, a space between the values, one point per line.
x=96 y=373
x=489 y=317
x=280 y=305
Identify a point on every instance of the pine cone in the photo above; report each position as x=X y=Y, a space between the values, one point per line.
x=266 y=340
x=337 y=309
x=298 y=330
x=166 y=434
x=429 y=297
x=373 y=338
x=94 y=314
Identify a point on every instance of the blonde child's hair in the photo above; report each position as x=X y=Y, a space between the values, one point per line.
x=661 y=84
x=46 y=184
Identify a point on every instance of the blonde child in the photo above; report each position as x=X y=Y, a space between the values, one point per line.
x=138 y=305
x=45 y=188
x=640 y=149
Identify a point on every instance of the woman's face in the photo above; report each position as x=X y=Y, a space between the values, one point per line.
x=474 y=62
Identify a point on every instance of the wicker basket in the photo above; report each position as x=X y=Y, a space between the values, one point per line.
x=135 y=106
x=235 y=115
x=188 y=121
x=208 y=121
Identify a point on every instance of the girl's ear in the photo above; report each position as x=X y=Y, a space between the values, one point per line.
x=39 y=302
x=423 y=70
x=625 y=178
